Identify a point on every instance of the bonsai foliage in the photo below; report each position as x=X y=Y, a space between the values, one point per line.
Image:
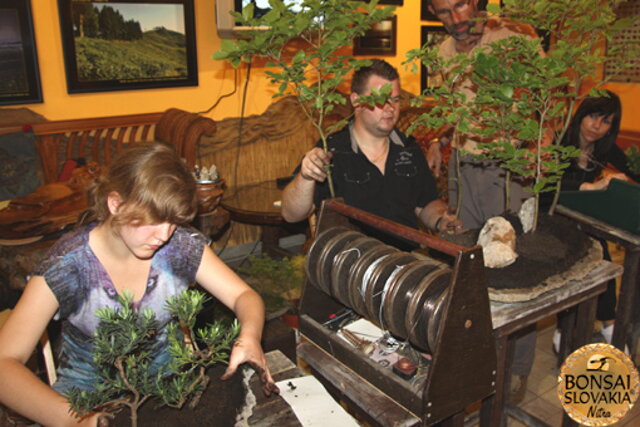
x=278 y=281
x=318 y=65
x=124 y=346
x=525 y=98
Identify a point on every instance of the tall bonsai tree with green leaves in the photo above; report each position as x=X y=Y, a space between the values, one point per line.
x=313 y=72
x=523 y=94
x=124 y=347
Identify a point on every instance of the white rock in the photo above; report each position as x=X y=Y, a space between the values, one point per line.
x=497 y=229
x=526 y=214
x=497 y=255
x=498 y=241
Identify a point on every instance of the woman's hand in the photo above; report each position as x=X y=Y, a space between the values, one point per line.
x=249 y=350
x=603 y=183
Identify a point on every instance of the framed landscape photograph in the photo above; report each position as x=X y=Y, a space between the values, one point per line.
x=431 y=35
x=19 y=75
x=128 y=44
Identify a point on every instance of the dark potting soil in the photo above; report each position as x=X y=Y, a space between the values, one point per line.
x=553 y=248
x=218 y=406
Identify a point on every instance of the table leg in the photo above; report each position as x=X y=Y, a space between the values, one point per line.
x=492 y=410
x=456 y=420
x=567 y=323
x=628 y=288
x=585 y=316
x=271 y=240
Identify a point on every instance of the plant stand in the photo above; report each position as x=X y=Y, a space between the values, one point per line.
x=578 y=296
x=627 y=323
x=257 y=204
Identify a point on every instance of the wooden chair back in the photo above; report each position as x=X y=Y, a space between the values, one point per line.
x=100 y=139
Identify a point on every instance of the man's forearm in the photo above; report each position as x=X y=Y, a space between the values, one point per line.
x=297 y=199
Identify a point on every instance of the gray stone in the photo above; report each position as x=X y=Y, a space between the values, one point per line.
x=527 y=214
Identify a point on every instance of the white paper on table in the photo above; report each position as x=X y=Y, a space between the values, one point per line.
x=364 y=329
x=312 y=404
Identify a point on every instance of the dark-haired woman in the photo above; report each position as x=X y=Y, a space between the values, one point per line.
x=594 y=129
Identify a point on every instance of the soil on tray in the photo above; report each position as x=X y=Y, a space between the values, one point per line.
x=554 y=247
x=219 y=404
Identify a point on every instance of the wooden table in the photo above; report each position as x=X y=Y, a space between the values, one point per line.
x=274 y=410
x=626 y=321
x=255 y=204
x=578 y=296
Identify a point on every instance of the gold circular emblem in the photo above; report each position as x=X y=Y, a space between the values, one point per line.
x=598 y=385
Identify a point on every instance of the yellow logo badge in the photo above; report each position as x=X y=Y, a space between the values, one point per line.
x=598 y=385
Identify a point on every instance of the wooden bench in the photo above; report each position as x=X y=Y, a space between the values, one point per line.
x=98 y=139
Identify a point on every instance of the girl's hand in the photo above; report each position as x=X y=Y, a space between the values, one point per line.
x=249 y=350
x=94 y=419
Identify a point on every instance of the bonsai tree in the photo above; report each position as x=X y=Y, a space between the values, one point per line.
x=314 y=70
x=123 y=349
x=522 y=94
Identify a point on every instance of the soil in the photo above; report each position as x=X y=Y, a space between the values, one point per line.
x=555 y=246
x=219 y=404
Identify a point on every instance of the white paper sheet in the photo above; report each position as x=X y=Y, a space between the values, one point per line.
x=363 y=328
x=313 y=405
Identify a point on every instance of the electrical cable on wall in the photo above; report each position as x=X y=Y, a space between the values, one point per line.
x=215 y=104
x=226 y=95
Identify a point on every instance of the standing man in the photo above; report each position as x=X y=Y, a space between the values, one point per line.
x=374 y=167
x=482 y=182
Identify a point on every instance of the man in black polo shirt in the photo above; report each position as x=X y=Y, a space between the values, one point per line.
x=374 y=167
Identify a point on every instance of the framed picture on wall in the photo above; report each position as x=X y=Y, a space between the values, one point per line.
x=431 y=35
x=128 y=44
x=426 y=15
x=393 y=2
x=19 y=75
x=380 y=40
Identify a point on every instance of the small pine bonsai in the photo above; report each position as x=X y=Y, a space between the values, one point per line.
x=123 y=351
